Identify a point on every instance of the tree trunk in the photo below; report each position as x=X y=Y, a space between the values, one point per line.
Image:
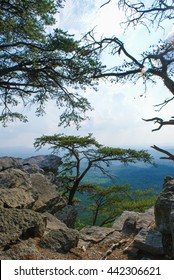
x=95 y=216
x=72 y=193
x=169 y=84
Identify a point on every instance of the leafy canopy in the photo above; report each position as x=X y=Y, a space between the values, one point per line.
x=105 y=204
x=36 y=66
x=80 y=154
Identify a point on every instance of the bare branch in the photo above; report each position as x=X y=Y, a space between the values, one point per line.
x=160 y=122
x=105 y=3
x=170 y=156
x=164 y=103
x=140 y=12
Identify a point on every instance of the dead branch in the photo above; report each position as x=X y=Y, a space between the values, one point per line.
x=160 y=122
x=164 y=103
x=105 y=3
x=170 y=156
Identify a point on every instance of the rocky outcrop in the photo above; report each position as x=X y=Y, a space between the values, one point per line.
x=150 y=241
x=48 y=163
x=28 y=200
x=131 y=237
x=164 y=215
x=58 y=237
x=67 y=215
x=36 y=223
x=18 y=224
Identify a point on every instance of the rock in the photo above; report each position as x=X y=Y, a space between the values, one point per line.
x=171 y=223
x=18 y=224
x=16 y=189
x=132 y=222
x=164 y=205
x=58 y=237
x=17 y=198
x=95 y=234
x=14 y=178
x=129 y=226
x=10 y=162
x=24 y=250
x=67 y=215
x=46 y=162
x=119 y=222
x=150 y=241
x=168 y=182
x=25 y=189
x=49 y=199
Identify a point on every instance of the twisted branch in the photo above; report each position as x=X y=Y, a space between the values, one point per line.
x=160 y=122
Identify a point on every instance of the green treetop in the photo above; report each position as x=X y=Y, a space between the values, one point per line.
x=80 y=154
x=36 y=67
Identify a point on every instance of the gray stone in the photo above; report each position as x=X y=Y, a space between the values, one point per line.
x=14 y=178
x=46 y=162
x=17 y=198
x=49 y=199
x=18 y=224
x=129 y=226
x=150 y=241
x=10 y=162
x=67 y=215
x=58 y=237
x=95 y=234
x=119 y=222
x=164 y=205
x=137 y=220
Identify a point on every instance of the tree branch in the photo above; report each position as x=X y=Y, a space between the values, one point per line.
x=170 y=156
x=160 y=122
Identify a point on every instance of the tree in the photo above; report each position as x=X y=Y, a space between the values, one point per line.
x=153 y=64
x=36 y=66
x=148 y=13
x=108 y=203
x=80 y=154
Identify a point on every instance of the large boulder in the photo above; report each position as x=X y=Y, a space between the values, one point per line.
x=49 y=163
x=149 y=241
x=10 y=162
x=16 y=189
x=14 y=178
x=133 y=222
x=17 y=198
x=58 y=237
x=49 y=199
x=67 y=215
x=18 y=224
x=26 y=192
x=164 y=205
x=24 y=185
x=164 y=215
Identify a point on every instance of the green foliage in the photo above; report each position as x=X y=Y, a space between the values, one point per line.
x=125 y=155
x=36 y=67
x=108 y=203
x=81 y=154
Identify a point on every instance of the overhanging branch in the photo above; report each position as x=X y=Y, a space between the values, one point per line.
x=170 y=156
x=160 y=121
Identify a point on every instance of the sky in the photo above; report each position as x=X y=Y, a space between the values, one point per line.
x=118 y=109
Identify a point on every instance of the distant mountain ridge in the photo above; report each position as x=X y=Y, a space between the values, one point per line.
x=136 y=175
